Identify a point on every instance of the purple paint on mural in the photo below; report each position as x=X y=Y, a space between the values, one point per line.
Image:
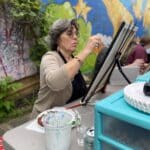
x=12 y=62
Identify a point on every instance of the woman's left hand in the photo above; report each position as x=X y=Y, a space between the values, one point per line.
x=93 y=44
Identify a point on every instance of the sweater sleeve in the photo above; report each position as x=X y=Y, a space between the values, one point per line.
x=54 y=73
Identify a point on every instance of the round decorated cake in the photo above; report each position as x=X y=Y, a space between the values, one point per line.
x=134 y=95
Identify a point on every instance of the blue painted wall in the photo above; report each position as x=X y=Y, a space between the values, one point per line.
x=98 y=15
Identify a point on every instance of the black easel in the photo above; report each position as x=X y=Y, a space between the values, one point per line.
x=121 y=71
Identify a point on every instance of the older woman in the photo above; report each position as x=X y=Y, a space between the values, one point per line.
x=60 y=78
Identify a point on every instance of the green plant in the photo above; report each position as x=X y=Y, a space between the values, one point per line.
x=7 y=93
x=38 y=49
x=30 y=17
x=26 y=21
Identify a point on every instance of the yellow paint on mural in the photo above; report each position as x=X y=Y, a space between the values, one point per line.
x=137 y=9
x=146 y=16
x=82 y=9
x=117 y=13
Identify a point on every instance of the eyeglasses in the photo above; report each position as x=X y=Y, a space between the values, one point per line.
x=71 y=33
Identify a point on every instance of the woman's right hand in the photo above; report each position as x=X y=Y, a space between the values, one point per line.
x=89 y=48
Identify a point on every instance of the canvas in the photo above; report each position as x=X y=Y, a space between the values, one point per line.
x=116 y=50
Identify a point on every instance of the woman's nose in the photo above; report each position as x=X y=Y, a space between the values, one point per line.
x=74 y=35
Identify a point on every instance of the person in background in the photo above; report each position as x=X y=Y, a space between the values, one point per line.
x=145 y=41
x=138 y=55
x=135 y=56
x=61 y=81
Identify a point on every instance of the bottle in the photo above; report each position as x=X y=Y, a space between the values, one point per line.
x=89 y=139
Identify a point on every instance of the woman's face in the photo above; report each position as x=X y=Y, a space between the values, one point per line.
x=68 y=40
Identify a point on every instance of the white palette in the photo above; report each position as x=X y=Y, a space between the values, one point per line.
x=134 y=95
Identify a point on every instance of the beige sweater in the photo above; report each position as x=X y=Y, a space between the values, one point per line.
x=55 y=85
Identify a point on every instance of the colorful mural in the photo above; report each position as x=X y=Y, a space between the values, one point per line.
x=106 y=15
x=94 y=16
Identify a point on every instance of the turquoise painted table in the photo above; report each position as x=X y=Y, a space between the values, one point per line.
x=118 y=126
x=145 y=77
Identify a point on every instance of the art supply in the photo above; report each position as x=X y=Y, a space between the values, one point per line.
x=57 y=126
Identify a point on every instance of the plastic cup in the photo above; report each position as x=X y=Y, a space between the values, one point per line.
x=81 y=130
x=57 y=130
x=85 y=114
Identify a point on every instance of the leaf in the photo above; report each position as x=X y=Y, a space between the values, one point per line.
x=32 y=14
x=8 y=105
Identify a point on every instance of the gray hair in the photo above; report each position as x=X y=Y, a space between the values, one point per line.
x=58 y=27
